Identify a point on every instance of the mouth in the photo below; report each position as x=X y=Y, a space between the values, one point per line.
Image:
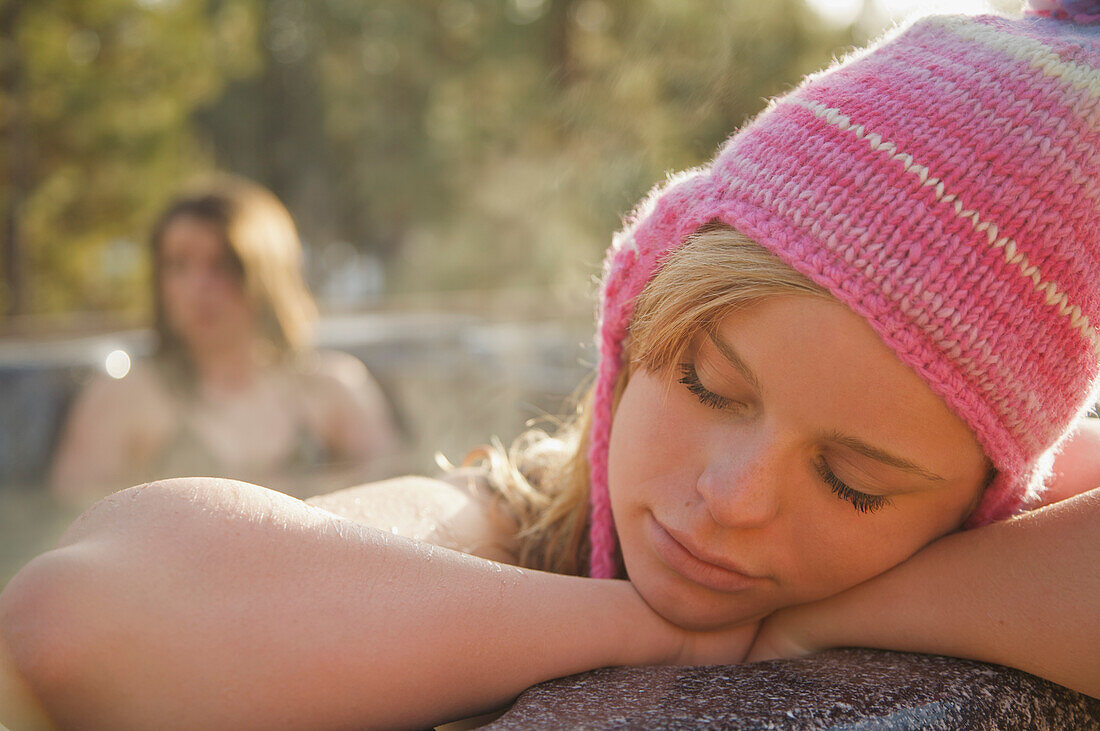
x=678 y=553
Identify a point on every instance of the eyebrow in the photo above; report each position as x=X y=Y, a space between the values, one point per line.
x=881 y=455
x=734 y=360
x=854 y=443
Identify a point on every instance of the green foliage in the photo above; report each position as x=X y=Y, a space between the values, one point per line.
x=496 y=143
x=506 y=146
x=545 y=142
x=97 y=116
x=469 y=143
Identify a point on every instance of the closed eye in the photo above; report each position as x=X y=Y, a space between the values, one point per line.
x=690 y=378
x=862 y=502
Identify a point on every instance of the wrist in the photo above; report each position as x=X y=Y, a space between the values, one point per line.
x=647 y=638
x=785 y=633
x=818 y=625
x=642 y=637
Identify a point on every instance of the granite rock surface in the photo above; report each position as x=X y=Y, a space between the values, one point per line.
x=838 y=689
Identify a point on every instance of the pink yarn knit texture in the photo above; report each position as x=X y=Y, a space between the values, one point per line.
x=944 y=184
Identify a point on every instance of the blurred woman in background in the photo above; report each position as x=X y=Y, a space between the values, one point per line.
x=234 y=387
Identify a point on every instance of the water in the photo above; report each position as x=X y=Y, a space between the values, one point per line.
x=30 y=524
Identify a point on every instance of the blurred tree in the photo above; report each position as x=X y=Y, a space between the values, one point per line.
x=95 y=104
x=489 y=143
x=468 y=143
x=549 y=119
x=269 y=126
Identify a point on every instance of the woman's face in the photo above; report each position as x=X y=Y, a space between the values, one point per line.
x=787 y=458
x=204 y=299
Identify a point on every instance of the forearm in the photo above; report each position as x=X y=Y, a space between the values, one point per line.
x=1023 y=593
x=250 y=609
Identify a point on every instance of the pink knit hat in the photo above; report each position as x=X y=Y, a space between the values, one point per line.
x=945 y=185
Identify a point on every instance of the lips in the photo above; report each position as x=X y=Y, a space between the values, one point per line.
x=676 y=551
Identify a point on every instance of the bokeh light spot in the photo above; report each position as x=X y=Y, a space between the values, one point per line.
x=117 y=363
x=522 y=12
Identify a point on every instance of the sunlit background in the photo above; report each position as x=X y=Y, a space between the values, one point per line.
x=456 y=168
x=846 y=12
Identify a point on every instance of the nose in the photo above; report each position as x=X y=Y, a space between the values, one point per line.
x=200 y=282
x=740 y=484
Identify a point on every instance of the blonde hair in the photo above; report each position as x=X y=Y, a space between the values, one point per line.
x=263 y=242
x=542 y=481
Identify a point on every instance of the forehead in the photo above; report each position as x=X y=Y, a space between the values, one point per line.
x=188 y=233
x=822 y=368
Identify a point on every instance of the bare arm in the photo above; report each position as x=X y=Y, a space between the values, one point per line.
x=350 y=409
x=1022 y=593
x=210 y=603
x=1077 y=467
x=110 y=433
x=454 y=512
x=348 y=412
x=19 y=709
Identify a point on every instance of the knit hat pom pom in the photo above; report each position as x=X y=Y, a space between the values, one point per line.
x=1077 y=11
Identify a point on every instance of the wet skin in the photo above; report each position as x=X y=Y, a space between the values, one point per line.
x=788 y=456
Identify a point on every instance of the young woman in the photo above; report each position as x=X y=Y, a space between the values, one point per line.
x=234 y=387
x=844 y=373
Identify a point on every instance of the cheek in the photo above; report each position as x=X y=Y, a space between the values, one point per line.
x=836 y=554
x=173 y=293
x=650 y=452
x=829 y=560
x=231 y=295
x=626 y=447
x=219 y=302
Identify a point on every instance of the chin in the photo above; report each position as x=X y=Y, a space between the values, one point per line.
x=696 y=608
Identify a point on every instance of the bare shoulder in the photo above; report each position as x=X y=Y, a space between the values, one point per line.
x=339 y=382
x=346 y=406
x=455 y=512
x=106 y=410
x=1077 y=466
x=141 y=387
x=334 y=370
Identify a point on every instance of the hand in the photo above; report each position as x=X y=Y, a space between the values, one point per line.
x=782 y=635
x=726 y=646
x=658 y=641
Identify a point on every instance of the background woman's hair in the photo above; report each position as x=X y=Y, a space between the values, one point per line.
x=262 y=242
x=542 y=481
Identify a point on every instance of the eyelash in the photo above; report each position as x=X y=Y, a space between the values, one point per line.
x=690 y=378
x=861 y=501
